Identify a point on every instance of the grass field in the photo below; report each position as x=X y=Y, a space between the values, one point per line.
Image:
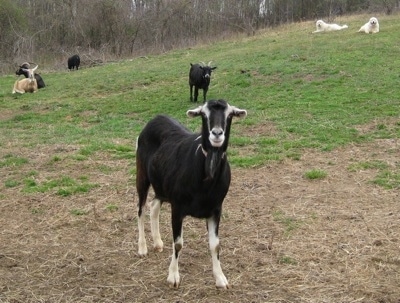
x=67 y=171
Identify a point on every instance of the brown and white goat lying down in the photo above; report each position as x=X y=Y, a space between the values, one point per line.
x=27 y=85
x=191 y=172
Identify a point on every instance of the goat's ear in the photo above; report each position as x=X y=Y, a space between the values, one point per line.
x=33 y=69
x=194 y=112
x=212 y=68
x=237 y=112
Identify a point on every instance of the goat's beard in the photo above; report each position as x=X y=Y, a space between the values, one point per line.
x=213 y=161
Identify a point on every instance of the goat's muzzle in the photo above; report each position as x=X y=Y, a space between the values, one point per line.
x=217 y=137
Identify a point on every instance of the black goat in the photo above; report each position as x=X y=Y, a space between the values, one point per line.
x=191 y=172
x=74 y=62
x=23 y=70
x=199 y=77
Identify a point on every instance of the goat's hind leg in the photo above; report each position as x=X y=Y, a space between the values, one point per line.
x=142 y=250
x=142 y=189
x=155 y=226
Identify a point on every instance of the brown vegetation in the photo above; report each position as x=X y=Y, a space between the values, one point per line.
x=47 y=32
x=284 y=238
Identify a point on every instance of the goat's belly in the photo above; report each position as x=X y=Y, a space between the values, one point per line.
x=204 y=206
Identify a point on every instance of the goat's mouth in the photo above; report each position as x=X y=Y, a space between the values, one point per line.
x=216 y=142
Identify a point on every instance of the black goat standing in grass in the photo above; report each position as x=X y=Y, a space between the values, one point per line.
x=23 y=70
x=199 y=77
x=191 y=172
x=74 y=62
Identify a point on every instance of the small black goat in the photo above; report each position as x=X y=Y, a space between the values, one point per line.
x=191 y=172
x=74 y=62
x=23 y=70
x=199 y=77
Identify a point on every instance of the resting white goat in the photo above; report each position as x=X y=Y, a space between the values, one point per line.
x=27 y=85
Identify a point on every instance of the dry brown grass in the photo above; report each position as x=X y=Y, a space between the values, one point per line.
x=284 y=238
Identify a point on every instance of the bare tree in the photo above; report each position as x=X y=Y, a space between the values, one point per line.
x=41 y=29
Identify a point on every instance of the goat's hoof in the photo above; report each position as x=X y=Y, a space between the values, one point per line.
x=223 y=286
x=158 y=245
x=173 y=281
x=158 y=248
x=173 y=285
x=142 y=252
x=222 y=283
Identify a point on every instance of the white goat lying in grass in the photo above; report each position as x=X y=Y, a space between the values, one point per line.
x=28 y=84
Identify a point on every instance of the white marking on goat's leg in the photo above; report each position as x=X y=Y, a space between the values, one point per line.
x=142 y=251
x=155 y=226
x=173 y=274
x=220 y=279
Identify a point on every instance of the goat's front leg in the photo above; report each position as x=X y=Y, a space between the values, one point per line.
x=220 y=279
x=205 y=94
x=155 y=226
x=196 y=93
x=173 y=275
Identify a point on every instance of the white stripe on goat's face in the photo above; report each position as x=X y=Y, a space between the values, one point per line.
x=216 y=115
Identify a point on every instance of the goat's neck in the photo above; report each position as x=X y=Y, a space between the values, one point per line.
x=215 y=157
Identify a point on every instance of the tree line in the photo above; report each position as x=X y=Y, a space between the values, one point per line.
x=46 y=30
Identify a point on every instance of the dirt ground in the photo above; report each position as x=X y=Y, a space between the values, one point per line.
x=284 y=238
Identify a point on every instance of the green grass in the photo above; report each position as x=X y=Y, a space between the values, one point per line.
x=315 y=174
x=11 y=160
x=388 y=179
x=112 y=207
x=386 y=176
x=314 y=90
x=63 y=186
x=377 y=164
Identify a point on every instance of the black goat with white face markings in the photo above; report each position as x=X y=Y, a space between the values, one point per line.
x=191 y=172
x=199 y=78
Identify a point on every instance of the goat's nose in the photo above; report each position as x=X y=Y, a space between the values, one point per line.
x=217 y=132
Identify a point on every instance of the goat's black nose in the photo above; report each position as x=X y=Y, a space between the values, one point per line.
x=217 y=132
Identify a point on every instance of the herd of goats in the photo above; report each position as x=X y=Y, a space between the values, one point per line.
x=199 y=77
x=188 y=170
x=33 y=81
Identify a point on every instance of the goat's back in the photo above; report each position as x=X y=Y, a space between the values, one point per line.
x=159 y=130
x=161 y=135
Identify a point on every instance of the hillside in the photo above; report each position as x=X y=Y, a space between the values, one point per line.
x=312 y=214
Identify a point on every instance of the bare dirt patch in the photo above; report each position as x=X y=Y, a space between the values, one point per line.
x=284 y=238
